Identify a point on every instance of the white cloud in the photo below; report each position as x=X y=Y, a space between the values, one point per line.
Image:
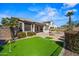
x=51 y=14
x=75 y=10
x=46 y=14
x=4 y=15
x=51 y=11
x=41 y=13
x=69 y=5
x=33 y=9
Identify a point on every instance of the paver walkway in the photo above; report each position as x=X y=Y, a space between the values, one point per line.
x=57 y=36
x=42 y=34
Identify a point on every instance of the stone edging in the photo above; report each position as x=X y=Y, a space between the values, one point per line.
x=62 y=51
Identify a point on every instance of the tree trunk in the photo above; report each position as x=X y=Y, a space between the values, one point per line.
x=70 y=24
x=12 y=33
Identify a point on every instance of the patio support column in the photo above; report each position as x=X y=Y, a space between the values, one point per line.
x=23 y=27
x=43 y=28
x=39 y=29
x=33 y=28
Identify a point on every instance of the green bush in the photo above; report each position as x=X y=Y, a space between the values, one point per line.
x=31 y=33
x=21 y=35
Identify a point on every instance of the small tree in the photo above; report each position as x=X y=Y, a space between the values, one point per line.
x=69 y=14
x=11 y=23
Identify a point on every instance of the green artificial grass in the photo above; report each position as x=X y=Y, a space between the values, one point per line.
x=35 y=46
x=48 y=37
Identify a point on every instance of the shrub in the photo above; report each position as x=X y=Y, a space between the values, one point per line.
x=21 y=35
x=31 y=33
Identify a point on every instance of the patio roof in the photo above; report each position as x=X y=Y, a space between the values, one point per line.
x=30 y=21
x=25 y=20
x=47 y=22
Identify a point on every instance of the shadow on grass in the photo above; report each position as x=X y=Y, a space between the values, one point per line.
x=58 y=50
x=1 y=48
x=2 y=43
x=61 y=44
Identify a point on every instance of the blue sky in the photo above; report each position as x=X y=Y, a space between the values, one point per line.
x=40 y=12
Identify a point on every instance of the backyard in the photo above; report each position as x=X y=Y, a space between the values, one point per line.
x=43 y=31
x=35 y=46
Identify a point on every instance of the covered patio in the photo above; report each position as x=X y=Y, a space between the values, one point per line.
x=30 y=26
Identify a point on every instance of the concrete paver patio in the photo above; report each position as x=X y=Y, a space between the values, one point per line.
x=57 y=36
x=42 y=34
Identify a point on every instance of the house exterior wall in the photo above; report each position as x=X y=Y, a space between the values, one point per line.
x=48 y=26
x=46 y=29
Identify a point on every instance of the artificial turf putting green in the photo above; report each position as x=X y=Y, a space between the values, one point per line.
x=35 y=46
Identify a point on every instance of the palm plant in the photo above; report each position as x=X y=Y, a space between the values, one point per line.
x=69 y=14
x=11 y=23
